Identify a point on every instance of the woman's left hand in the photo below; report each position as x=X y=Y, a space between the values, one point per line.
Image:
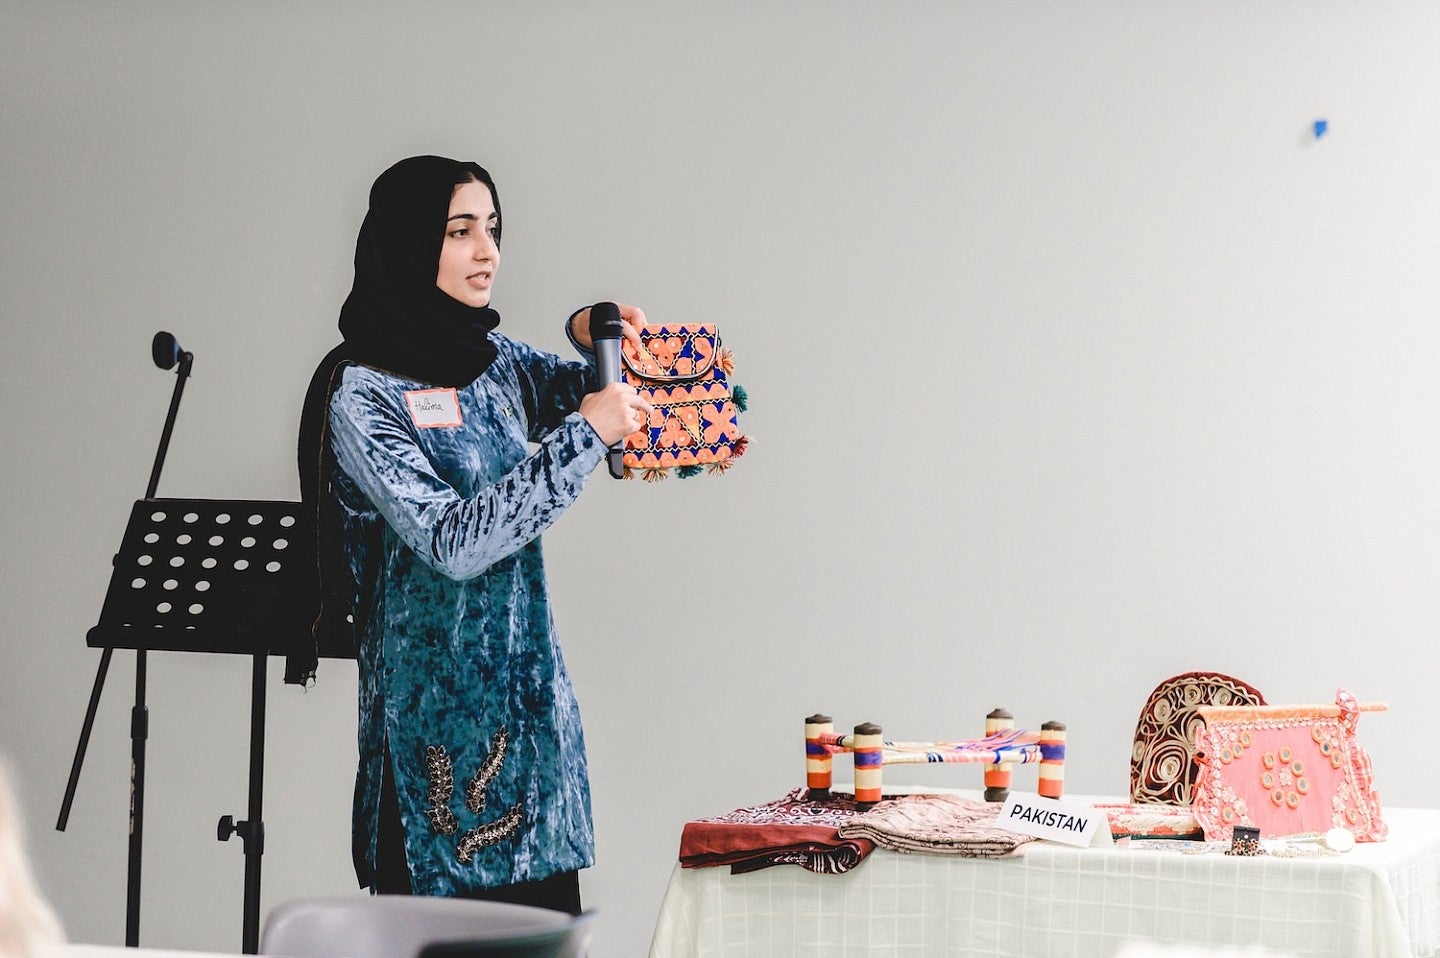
x=632 y=318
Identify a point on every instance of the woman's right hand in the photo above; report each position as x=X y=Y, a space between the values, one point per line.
x=614 y=412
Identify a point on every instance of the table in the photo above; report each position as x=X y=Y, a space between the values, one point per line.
x=1381 y=899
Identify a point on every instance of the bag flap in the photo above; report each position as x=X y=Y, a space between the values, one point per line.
x=673 y=352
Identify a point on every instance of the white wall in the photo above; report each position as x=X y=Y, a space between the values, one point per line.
x=1076 y=362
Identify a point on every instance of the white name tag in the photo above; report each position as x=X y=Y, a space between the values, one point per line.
x=1059 y=821
x=433 y=408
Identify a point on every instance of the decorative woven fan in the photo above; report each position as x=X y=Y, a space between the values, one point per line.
x=1162 y=760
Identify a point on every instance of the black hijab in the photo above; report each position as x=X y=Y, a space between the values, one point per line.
x=395 y=319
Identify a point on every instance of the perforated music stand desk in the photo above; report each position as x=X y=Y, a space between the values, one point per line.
x=216 y=575
x=208 y=575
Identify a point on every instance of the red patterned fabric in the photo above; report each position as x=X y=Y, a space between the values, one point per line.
x=1162 y=760
x=790 y=831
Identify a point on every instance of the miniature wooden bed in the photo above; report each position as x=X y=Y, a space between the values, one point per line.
x=1002 y=747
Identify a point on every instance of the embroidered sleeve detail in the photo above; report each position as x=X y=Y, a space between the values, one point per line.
x=488 y=834
x=442 y=786
x=475 y=788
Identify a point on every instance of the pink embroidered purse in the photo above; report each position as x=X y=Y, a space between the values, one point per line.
x=1285 y=770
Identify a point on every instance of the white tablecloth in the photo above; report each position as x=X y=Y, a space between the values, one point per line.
x=68 y=950
x=1381 y=899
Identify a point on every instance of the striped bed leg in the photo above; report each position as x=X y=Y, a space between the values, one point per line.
x=818 y=762
x=869 y=759
x=1052 y=759
x=997 y=777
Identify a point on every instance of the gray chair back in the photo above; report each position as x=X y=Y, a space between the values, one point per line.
x=571 y=941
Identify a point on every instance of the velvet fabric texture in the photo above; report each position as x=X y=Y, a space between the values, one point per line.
x=460 y=672
x=395 y=319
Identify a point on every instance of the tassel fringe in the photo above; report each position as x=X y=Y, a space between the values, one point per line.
x=740 y=397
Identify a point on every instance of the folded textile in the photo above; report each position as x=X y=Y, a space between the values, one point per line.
x=938 y=824
x=1151 y=821
x=789 y=831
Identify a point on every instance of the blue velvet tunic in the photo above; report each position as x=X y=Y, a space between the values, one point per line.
x=462 y=682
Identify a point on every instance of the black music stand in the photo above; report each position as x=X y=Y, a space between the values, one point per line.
x=215 y=575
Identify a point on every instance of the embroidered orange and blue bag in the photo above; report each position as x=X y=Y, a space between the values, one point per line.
x=684 y=372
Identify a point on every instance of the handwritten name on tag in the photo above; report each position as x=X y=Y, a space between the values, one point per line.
x=433 y=408
x=1058 y=821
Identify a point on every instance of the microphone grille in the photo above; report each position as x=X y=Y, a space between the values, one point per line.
x=605 y=321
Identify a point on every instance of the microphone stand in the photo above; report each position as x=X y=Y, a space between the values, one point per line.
x=163 y=345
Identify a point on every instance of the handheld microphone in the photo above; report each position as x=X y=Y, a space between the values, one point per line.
x=605 y=335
